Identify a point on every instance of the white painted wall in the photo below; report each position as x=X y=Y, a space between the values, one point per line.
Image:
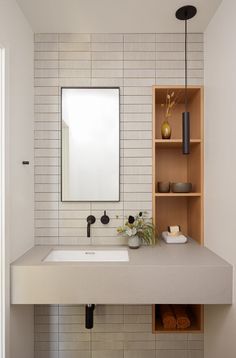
x=220 y=171
x=17 y=37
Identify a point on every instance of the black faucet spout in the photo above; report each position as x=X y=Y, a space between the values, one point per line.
x=90 y=220
x=88 y=230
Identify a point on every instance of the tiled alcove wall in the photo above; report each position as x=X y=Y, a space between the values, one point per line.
x=134 y=62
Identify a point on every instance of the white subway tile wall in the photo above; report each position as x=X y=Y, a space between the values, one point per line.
x=119 y=331
x=134 y=62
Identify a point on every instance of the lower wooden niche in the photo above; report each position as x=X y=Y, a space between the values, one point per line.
x=195 y=313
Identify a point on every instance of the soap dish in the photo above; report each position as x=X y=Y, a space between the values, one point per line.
x=173 y=239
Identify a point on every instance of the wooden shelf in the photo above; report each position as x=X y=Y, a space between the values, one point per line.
x=196 y=316
x=174 y=143
x=176 y=194
x=162 y=90
x=170 y=165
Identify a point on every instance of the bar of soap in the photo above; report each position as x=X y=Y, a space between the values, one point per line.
x=174 y=229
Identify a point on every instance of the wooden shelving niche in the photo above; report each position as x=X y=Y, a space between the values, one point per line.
x=195 y=313
x=169 y=164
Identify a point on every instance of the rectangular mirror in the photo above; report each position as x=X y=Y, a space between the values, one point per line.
x=90 y=144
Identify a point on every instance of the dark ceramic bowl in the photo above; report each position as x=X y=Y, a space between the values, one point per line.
x=181 y=187
x=163 y=186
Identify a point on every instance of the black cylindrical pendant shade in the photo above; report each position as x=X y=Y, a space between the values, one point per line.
x=186 y=132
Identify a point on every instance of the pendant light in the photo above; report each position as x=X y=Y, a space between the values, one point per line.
x=185 y=13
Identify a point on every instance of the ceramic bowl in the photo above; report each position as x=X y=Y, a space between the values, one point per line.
x=181 y=187
x=163 y=186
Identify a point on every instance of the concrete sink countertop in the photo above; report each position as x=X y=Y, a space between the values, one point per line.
x=185 y=273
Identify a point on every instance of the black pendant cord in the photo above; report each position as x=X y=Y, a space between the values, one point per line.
x=186 y=67
x=185 y=13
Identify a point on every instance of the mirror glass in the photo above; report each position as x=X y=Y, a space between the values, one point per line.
x=90 y=144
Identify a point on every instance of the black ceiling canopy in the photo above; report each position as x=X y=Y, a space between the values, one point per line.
x=186 y=12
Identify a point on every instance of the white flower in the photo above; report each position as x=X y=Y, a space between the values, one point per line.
x=131 y=232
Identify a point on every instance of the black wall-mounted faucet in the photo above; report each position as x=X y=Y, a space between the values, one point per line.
x=90 y=220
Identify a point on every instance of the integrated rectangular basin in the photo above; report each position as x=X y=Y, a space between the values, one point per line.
x=87 y=256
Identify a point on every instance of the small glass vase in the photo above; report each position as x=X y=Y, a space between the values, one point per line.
x=134 y=242
x=165 y=130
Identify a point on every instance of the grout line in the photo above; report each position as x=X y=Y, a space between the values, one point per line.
x=58 y=119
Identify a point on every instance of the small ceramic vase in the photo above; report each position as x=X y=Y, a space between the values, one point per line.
x=165 y=130
x=134 y=242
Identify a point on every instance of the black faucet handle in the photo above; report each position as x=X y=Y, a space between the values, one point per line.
x=105 y=219
x=91 y=219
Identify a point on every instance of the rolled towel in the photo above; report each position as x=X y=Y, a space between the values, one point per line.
x=167 y=317
x=182 y=317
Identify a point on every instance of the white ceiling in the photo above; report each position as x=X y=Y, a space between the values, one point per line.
x=107 y=16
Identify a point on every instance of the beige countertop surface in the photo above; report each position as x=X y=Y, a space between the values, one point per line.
x=164 y=273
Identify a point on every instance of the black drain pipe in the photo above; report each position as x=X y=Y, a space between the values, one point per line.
x=89 y=316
